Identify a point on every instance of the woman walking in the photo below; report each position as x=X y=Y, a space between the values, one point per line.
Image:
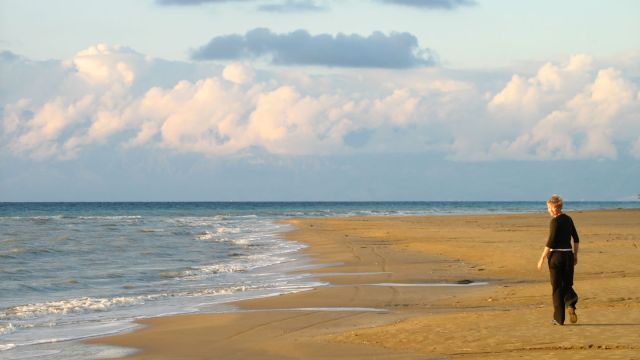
x=561 y=259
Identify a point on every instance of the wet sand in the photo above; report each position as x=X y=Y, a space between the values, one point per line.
x=382 y=302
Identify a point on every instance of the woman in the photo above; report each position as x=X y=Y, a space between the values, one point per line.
x=561 y=259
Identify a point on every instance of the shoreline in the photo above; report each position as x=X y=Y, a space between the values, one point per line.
x=418 y=321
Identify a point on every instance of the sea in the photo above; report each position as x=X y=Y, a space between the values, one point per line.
x=72 y=271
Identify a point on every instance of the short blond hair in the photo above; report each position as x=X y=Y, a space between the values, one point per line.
x=555 y=201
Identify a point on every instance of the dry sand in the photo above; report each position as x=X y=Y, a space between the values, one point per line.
x=508 y=318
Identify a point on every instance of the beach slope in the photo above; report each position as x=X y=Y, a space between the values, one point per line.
x=427 y=287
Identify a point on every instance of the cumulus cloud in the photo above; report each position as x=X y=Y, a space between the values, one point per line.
x=229 y=112
x=548 y=88
x=238 y=73
x=46 y=125
x=568 y=112
x=396 y=50
x=104 y=98
x=432 y=4
x=104 y=64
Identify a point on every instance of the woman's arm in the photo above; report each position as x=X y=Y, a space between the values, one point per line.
x=544 y=255
x=576 y=243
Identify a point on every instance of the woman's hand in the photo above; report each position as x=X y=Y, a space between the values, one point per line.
x=575 y=259
x=545 y=254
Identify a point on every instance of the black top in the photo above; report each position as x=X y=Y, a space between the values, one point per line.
x=560 y=232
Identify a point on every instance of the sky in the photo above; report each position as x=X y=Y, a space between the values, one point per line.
x=294 y=100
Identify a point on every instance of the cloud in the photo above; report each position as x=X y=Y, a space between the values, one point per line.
x=197 y=2
x=238 y=73
x=104 y=64
x=286 y=6
x=111 y=97
x=432 y=4
x=8 y=56
x=293 y=6
x=569 y=112
x=548 y=88
x=227 y=113
x=310 y=5
x=396 y=50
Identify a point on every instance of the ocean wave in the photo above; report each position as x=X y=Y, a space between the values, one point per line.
x=11 y=253
x=4 y=347
x=241 y=241
x=77 y=305
x=280 y=287
x=46 y=218
x=207 y=235
x=37 y=219
x=16 y=251
x=206 y=270
x=109 y=217
x=92 y=305
x=220 y=291
x=221 y=233
x=148 y=230
x=193 y=221
x=7 y=329
x=244 y=264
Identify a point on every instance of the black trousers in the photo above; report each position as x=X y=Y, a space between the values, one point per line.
x=561 y=271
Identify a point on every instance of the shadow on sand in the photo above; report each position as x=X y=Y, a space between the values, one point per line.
x=625 y=324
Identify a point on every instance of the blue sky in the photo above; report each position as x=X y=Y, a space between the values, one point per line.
x=319 y=100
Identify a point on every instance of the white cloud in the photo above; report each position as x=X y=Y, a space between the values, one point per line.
x=551 y=86
x=105 y=64
x=561 y=123
x=48 y=123
x=114 y=96
x=238 y=73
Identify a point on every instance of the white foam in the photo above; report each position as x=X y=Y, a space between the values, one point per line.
x=13 y=251
x=31 y=354
x=192 y=221
x=111 y=217
x=207 y=235
x=55 y=320
x=7 y=329
x=70 y=306
x=46 y=217
x=219 y=233
x=242 y=241
x=224 y=230
x=203 y=271
x=4 y=347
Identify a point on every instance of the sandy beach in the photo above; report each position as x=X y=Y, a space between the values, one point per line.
x=436 y=287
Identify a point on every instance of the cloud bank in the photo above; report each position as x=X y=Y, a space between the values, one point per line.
x=197 y=2
x=310 y=5
x=432 y=4
x=293 y=6
x=110 y=97
x=396 y=50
